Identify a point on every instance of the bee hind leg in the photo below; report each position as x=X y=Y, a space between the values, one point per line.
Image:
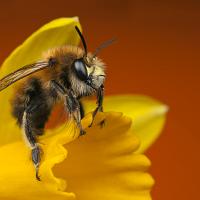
x=36 y=152
x=31 y=109
x=34 y=118
x=31 y=139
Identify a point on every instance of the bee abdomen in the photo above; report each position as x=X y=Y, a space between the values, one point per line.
x=33 y=99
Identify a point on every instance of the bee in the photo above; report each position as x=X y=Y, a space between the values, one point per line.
x=64 y=74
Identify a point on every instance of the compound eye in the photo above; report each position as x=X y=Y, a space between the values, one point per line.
x=80 y=70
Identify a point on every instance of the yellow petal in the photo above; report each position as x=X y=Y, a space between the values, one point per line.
x=100 y=165
x=103 y=163
x=148 y=115
x=56 y=33
x=17 y=174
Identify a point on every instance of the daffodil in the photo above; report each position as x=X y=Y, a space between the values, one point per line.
x=106 y=163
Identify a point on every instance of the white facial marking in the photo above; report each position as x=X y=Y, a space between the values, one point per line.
x=95 y=71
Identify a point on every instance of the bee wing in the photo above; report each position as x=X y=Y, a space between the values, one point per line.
x=21 y=73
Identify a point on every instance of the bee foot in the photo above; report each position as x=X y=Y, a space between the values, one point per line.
x=37 y=173
x=90 y=125
x=102 y=123
x=82 y=132
x=36 y=151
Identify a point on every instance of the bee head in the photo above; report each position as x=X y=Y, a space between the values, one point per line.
x=89 y=68
x=90 y=71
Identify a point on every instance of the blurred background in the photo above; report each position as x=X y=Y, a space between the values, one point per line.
x=157 y=54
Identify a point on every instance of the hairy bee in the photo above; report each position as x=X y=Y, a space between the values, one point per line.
x=64 y=74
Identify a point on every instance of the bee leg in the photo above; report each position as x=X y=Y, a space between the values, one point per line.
x=72 y=104
x=74 y=108
x=58 y=87
x=31 y=109
x=36 y=151
x=77 y=117
x=100 y=94
x=82 y=112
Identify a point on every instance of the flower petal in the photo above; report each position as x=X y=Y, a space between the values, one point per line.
x=103 y=164
x=148 y=115
x=56 y=33
x=100 y=165
x=17 y=174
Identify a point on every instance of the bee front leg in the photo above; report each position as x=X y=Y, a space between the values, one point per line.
x=100 y=95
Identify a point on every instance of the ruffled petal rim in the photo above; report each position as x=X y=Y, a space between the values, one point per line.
x=148 y=115
x=101 y=164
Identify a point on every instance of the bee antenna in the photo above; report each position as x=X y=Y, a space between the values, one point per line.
x=82 y=39
x=103 y=45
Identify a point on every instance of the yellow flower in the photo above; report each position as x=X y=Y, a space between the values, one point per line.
x=106 y=163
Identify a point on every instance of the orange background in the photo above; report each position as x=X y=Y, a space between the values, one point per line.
x=157 y=54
